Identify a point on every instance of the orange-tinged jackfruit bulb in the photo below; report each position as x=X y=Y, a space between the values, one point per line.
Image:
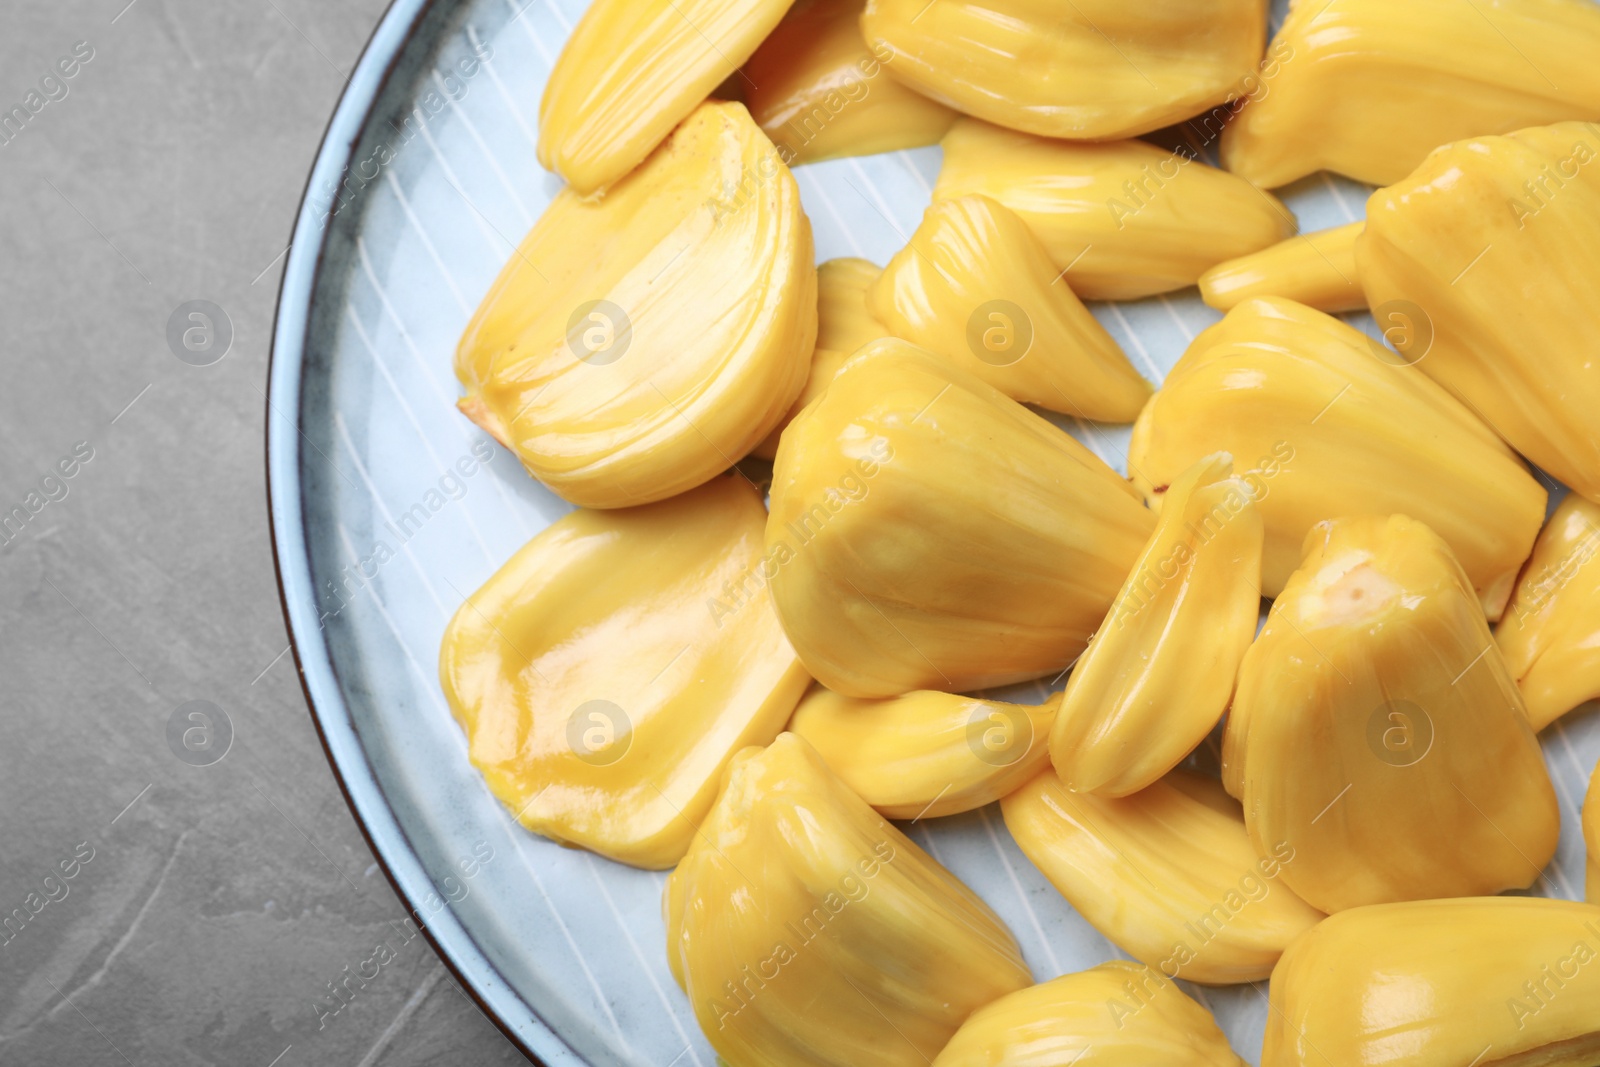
x=1159 y=672
x=638 y=344
x=1093 y=70
x=1378 y=733
x=807 y=930
x=1493 y=244
x=1325 y=422
x=819 y=93
x=1550 y=633
x=927 y=532
x=843 y=325
x=926 y=754
x=1315 y=269
x=1591 y=839
x=634 y=69
x=975 y=286
x=600 y=697
x=1168 y=874
x=1121 y=219
x=1435 y=71
x=1489 y=981
x=1089 y=1019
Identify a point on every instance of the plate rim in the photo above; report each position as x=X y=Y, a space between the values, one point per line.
x=341 y=745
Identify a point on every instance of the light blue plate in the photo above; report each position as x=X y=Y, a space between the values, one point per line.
x=385 y=517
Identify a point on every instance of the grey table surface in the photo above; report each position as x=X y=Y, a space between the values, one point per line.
x=208 y=906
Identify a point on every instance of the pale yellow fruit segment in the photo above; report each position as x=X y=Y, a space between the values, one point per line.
x=1123 y=219
x=1118 y=1014
x=1550 y=633
x=927 y=532
x=634 y=69
x=1434 y=70
x=1493 y=244
x=926 y=754
x=600 y=697
x=975 y=286
x=819 y=93
x=638 y=344
x=1333 y=423
x=843 y=325
x=1168 y=874
x=1500 y=981
x=1377 y=730
x=1092 y=69
x=808 y=932
x=1159 y=672
x=1314 y=269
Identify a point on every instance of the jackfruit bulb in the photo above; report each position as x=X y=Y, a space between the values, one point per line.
x=1434 y=71
x=1491 y=981
x=1591 y=839
x=807 y=930
x=1378 y=733
x=1168 y=875
x=1314 y=269
x=1324 y=421
x=819 y=93
x=1093 y=70
x=927 y=754
x=1118 y=1014
x=927 y=532
x=600 y=697
x=1550 y=633
x=1494 y=245
x=843 y=325
x=1120 y=219
x=640 y=343
x=1159 y=672
x=975 y=286
x=630 y=72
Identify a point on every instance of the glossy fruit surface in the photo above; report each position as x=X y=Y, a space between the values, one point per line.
x=807 y=930
x=927 y=532
x=600 y=697
x=639 y=343
x=1122 y=219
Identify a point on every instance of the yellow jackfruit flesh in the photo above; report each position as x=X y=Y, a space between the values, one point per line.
x=1378 y=733
x=1314 y=269
x=819 y=93
x=1550 y=634
x=1122 y=219
x=634 y=69
x=1433 y=71
x=1325 y=422
x=926 y=754
x=1168 y=874
x=1159 y=672
x=638 y=344
x=1490 y=981
x=975 y=286
x=600 y=698
x=843 y=325
x=808 y=932
x=927 y=532
x=1093 y=70
x=1118 y=1014
x=1591 y=839
x=1494 y=243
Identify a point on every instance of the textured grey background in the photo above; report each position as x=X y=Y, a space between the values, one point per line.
x=221 y=899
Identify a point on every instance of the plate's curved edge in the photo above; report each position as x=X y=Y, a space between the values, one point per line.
x=387 y=839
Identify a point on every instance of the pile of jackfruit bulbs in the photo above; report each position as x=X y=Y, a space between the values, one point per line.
x=683 y=673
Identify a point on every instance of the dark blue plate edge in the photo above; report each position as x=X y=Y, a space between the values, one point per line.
x=291 y=559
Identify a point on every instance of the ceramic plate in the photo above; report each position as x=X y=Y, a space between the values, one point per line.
x=389 y=508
